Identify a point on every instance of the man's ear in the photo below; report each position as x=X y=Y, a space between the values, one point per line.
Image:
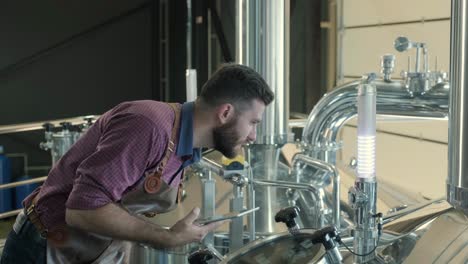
x=224 y=113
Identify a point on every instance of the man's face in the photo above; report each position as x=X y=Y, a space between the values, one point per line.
x=239 y=130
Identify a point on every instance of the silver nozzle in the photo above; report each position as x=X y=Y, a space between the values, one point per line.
x=388 y=64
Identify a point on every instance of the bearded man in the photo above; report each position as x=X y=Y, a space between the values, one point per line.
x=131 y=162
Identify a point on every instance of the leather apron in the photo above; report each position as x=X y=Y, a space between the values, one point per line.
x=150 y=196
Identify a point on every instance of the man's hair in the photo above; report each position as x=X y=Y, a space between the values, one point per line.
x=235 y=84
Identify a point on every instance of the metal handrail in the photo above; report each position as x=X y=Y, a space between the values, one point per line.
x=10 y=213
x=330 y=168
x=23 y=127
x=16 y=184
x=21 y=183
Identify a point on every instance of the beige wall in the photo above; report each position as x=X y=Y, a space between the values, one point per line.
x=415 y=165
x=411 y=155
x=371 y=26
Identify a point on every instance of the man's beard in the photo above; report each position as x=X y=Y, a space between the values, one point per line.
x=226 y=138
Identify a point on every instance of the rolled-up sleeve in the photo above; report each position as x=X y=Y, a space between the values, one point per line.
x=128 y=144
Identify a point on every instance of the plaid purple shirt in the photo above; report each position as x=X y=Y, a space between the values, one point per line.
x=123 y=145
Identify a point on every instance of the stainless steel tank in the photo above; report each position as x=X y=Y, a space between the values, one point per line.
x=280 y=248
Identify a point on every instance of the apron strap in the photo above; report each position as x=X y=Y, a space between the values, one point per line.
x=153 y=182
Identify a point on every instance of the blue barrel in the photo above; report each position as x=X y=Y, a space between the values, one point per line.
x=23 y=191
x=5 y=177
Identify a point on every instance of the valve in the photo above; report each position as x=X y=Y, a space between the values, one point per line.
x=420 y=80
x=201 y=256
x=287 y=216
x=48 y=127
x=66 y=125
x=328 y=236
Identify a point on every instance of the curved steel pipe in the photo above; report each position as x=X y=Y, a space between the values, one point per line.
x=336 y=108
x=286 y=184
x=301 y=158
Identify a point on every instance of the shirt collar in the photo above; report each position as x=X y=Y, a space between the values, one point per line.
x=185 y=144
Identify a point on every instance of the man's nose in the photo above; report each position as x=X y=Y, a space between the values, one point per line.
x=252 y=136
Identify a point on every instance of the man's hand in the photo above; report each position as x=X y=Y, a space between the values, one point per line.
x=186 y=231
x=113 y=221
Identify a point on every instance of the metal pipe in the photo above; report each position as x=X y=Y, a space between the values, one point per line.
x=297 y=122
x=426 y=59
x=212 y=165
x=215 y=252
x=236 y=226
x=457 y=179
x=292 y=185
x=189 y=34
x=286 y=184
x=336 y=181
x=340 y=31
x=191 y=84
x=331 y=43
x=21 y=183
x=240 y=28
x=265 y=165
x=267 y=53
x=394 y=216
x=23 y=127
x=262 y=41
x=208 y=203
x=251 y=200
x=273 y=129
x=336 y=108
x=190 y=74
x=363 y=199
x=10 y=213
x=236 y=232
x=418 y=58
x=16 y=184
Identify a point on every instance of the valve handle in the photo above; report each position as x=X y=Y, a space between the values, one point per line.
x=287 y=216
